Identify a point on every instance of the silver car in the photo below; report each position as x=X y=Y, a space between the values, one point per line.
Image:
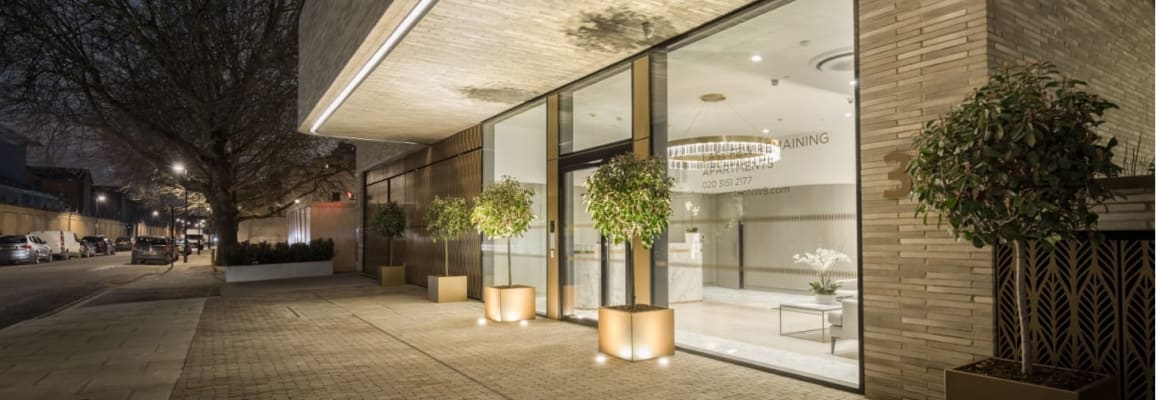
x=20 y=249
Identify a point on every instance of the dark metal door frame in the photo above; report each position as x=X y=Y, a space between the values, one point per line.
x=585 y=159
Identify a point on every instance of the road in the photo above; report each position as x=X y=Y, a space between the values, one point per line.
x=27 y=291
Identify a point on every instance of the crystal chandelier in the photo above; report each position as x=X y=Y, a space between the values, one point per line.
x=721 y=152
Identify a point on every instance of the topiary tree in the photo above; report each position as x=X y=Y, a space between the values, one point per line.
x=503 y=211
x=388 y=220
x=1016 y=162
x=447 y=219
x=629 y=198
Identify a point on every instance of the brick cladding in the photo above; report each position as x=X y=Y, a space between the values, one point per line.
x=1108 y=43
x=926 y=298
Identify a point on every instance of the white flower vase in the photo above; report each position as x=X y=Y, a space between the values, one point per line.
x=692 y=237
x=825 y=299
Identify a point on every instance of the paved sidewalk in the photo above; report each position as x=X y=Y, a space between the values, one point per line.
x=343 y=337
x=117 y=345
x=121 y=351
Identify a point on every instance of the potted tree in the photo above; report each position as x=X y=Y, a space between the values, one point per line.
x=388 y=220
x=503 y=211
x=629 y=200
x=1017 y=162
x=447 y=219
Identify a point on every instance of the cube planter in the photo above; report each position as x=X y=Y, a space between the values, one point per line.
x=960 y=384
x=509 y=303
x=642 y=333
x=392 y=275
x=444 y=289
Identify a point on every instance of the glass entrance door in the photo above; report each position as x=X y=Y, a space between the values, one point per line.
x=594 y=270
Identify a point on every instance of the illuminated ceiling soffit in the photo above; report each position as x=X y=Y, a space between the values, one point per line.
x=466 y=61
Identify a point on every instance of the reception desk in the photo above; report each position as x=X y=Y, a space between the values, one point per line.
x=685 y=269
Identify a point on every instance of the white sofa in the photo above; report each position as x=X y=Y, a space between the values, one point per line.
x=847 y=288
x=844 y=323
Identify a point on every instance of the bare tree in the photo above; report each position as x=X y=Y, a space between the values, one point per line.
x=210 y=84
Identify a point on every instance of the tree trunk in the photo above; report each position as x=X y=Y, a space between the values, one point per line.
x=389 y=244
x=447 y=257
x=630 y=301
x=509 y=264
x=1027 y=358
x=225 y=220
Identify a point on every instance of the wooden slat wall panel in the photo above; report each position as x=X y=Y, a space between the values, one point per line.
x=452 y=167
x=376 y=252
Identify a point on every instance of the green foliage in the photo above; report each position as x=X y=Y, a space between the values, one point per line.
x=246 y=253
x=824 y=287
x=447 y=218
x=629 y=198
x=388 y=220
x=503 y=209
x=1017 y=161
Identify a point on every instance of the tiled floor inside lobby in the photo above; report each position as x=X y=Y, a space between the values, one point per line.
x=744 y=325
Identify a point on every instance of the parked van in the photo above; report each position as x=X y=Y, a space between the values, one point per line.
x=64 y=244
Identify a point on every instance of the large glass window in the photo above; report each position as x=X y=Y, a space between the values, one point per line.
x=515 y=146
x=596 y=112
x=761 y=141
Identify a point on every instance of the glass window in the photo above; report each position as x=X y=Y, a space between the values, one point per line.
x=515 y=146
x=761 y=142
x=597 y=112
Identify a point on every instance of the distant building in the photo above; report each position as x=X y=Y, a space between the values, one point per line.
x=111 y=202
x=13 y=155
x=15 y=187
x=72 y=185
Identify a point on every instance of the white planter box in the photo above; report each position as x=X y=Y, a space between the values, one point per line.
x=268 y=272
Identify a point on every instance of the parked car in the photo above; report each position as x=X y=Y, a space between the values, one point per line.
x=196 y=242
x=19 y=249
x=100 y=245
x=123 y=244
x=87 y=250
x=153 y=249
x=64 y=244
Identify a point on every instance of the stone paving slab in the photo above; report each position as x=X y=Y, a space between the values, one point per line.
x=121 y=351
x=355 y=340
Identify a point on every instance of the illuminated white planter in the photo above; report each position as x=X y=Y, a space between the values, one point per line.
x=391 y=275
x=444 y=289
x=509 y=303
x=642 y=334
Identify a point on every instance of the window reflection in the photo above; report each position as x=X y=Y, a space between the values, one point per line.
x=761 y=140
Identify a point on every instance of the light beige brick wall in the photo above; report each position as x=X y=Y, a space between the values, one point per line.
x=1108 y=43
x=927 y=299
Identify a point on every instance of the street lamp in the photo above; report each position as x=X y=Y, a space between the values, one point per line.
x=99 y=199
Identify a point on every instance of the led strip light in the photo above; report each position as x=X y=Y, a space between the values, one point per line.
x=394 y=38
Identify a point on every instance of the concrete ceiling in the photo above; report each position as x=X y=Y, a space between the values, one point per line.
x=468 y=60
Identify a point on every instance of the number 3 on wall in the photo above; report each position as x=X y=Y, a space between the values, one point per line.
x=898 y=174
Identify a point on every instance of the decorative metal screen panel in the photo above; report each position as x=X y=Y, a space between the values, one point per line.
x=1091 y=308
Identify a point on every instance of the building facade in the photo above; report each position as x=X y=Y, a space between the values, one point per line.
x=785 y=124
